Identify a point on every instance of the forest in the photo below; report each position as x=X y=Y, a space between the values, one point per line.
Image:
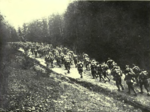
x=119 y=30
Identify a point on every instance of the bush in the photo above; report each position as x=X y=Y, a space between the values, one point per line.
x=27 y=62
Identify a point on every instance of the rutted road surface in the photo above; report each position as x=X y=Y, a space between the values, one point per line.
x=140 y=101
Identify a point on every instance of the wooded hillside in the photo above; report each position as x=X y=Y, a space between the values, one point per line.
x=119 y=30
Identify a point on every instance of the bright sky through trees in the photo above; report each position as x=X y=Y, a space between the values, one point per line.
x=18 y=12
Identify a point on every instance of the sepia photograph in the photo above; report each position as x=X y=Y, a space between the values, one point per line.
x=74 y=56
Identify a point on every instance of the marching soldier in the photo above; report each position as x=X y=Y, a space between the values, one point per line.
x=128 y=69
x=75 y=58
x=87 y=62
x=104 y=70
x=32 y=50
x=99 y=72
x=85 y=55
x=80 y=68
x=47 y=61
x=58 y=59
x=143 y=76
x=117 y=73
x=67 y=63
x=65 y=50
x=137 y=71
x=62 y=57
x=114 y=64
x=109 y=63
x=36 y=53
x=130 y=81
x=71 y=57
x=51 y=59
x=93 y=69
x=115 y=67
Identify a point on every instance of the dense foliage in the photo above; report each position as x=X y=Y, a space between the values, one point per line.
x=7 y=33
x=110 y=29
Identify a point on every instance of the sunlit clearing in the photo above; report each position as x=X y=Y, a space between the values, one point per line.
x=18 y=12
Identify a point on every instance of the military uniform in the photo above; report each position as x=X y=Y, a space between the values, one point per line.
x=130 y=81
x=47 y=60
x=62 y=57
x=58 y=59
x=51 y=59
x=80 y=68
x=143 y=76
x=128 y=69
x=75 y=58
x=117 y=73
x=99 y=72
x=32 y=50
x=87 y=62
x=93 y=69
x=136 y=70
x=104 y=70
x=67 y=63
x=85 y=55
x=35 y=52
x=109 y=63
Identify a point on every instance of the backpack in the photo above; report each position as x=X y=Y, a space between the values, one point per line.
x=143 y=76
x=145 y=73
x=80 y=66
x=136 y=69
x=46 y=58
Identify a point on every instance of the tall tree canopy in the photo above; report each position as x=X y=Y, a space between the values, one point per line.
x=119 y=30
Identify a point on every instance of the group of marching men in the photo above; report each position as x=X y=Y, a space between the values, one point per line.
x=66 y=57
x=133 y=76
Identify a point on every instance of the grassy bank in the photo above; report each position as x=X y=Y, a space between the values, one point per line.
x=49 y=92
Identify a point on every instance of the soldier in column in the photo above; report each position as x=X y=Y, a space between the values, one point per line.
x=143 y=76
x=80 y=68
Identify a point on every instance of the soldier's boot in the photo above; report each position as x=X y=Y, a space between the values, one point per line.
x=135 y=94
x=118 y=87
x=122 y=87
x=93 y=76
x=128 y=92
x=81 y=75
x=109 y=79
x=96 y=76
x=68 y=71
x=141 y=88
x=65 y=67
x=128 y=89
x=100 y=79
x=59 y=64
x=137 y=80
x=146 y=87
x=86 y=68
x=103 y=79
x=148 y=93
